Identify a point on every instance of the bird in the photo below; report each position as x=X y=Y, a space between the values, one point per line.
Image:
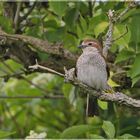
x=92 y=70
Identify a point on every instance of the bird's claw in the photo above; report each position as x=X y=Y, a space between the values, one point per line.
x=69 y=74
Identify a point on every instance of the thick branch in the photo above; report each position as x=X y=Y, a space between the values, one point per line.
x=41 y=45
x=30 y=44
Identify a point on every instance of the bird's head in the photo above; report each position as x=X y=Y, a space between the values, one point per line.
x=90 y=43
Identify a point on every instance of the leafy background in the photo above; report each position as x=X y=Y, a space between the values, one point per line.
x=69 y=23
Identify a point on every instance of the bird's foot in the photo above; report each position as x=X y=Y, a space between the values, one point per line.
x=69 y=74
x=110 y=90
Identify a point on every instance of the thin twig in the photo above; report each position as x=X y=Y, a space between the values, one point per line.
x=28 y=13
x=87 y=105
x=37 y=66
x=90 y=7
x=17 y=75
x=121 y=35
x=30 y=82
x=73 y=34
x=16 y=19
x=33 y=97
x=19 y=129
x=130 y=6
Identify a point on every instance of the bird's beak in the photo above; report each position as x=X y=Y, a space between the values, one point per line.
x=81 y=46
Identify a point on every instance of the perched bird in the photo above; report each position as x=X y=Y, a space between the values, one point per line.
x=92 y=70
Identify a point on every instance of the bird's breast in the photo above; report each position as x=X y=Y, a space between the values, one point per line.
x=91 y=70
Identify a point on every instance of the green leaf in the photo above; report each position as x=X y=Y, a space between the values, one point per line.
x=124 y=55
x=109 y=129
x=76 y=131
x=6 y=24
x=100 y=28
x=126 y=136
x=67 y=89
x=123 y=41
x=58 y=7
x=94 y=136
x=80 y=32
x=70 y=42
x=5 y=134
x=135 y=70
x=103 y=104
x=15 y=66
x=71 y=17
x=33 y=31
x=83 y=24
x=135 y=29
x=50 y=24
x=55 y=35
x=135 y=80
x=43 y=56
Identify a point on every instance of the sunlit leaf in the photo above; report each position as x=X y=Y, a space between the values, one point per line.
x=135 y=70
x=77 y=131
x=100 y=28
x=135 y=30
x=109 y=129
x=119 y=30
x=126 y=136
x=94 y=136
x=111 y=82
x=5 y=134
x=103 y=104
x=135 y=80
x=59 y=7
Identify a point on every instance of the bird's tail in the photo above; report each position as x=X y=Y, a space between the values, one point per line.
x=92 y=106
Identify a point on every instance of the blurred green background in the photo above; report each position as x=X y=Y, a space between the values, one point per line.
x=68 y=22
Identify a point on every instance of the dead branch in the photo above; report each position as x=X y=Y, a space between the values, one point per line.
x=32 y=44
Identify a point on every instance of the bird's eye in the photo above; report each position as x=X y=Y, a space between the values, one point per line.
x=89 y=44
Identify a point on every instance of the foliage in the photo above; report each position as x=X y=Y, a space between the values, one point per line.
x=69 y=23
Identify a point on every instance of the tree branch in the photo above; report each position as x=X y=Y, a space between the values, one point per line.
x=57 y=50
x=41 y=45
x=132 y=5
x=117 y=97
x=109 y=35
x=17 y=17
x=112 y=20
x=26 y=53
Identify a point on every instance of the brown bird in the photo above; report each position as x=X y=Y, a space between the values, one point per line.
x=92 y=70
